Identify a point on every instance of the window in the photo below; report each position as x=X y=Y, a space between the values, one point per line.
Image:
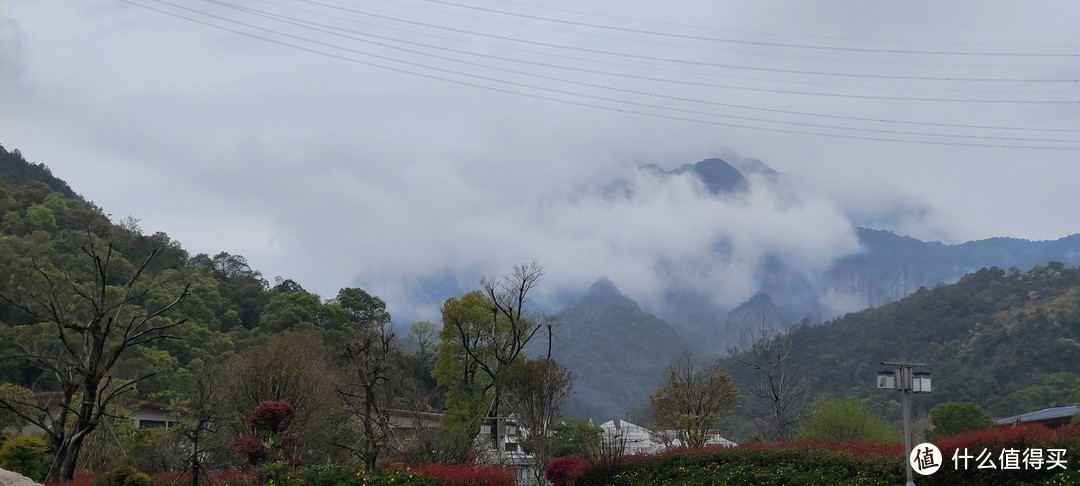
x=510 y=447
x=146 y=424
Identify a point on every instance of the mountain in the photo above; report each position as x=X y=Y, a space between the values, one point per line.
x=893 y=266
x=717 y=174
x=616 y=351
x=1008 y=341
x=18 y=172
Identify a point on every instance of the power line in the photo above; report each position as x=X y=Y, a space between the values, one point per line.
x=711 y=85
x=560 y=100
x=611 y=53
x=289 y=20
x=749 y=42
x=725 y=66
x=607 y=73
x=713 y=28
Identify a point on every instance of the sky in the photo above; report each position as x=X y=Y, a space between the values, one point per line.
x=375 y=143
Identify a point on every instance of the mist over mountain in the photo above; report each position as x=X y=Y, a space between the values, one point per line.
x=712 y=246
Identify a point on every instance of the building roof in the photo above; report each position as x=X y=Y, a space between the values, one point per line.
x=413 y=414
x=1044 y=414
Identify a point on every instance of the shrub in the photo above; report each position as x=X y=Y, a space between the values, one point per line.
x=954 y=418
x=83 y=479
x=125 y=475
x=398 y=477
x=997 y=440
x=804 y=462
x=250 y=447
x=272 y=416
x=27 y=455
x=563 y=470
x=330 y=476
x=230 y=477
x=466 y=474
x=839 y=420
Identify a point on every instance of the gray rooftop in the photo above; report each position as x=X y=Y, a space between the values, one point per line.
x=1044 y=414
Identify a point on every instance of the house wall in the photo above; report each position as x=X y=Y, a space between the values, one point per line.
x=147 y=418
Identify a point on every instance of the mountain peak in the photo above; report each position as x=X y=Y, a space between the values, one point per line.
x=756 y=166
x=718 y=175
x=604 y=290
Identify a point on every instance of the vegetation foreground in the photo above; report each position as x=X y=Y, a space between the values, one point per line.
x=810 y=461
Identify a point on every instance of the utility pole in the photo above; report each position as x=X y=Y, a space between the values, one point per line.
x=905 y=380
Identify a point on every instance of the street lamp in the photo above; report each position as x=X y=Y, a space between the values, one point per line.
x=905 y=379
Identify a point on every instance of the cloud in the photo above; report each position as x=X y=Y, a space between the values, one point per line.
x=13 y=51
x=332 y=172
x=661 y=233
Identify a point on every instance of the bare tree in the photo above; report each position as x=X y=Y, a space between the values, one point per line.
x=767 y=352
x=535 y=392
x=200 y=411
x=370 y=388
x=694 y=402
x=607 y=456
x=511 y=325
x=293 y=367
x=93 y=317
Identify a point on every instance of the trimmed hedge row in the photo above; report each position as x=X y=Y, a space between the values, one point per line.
x=1015 y=439
x=815 y=462
x=798 y=463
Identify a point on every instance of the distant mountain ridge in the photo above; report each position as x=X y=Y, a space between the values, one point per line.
x=889 y=267
x=616 y=351
x=717 y=174
x=1008 y=341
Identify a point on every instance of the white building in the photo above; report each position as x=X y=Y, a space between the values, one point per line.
x=635 y=438
x=511 y=452
x=639 y=440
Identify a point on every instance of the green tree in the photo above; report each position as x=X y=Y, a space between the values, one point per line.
x=487 y=331
x=467 y=324
x=365 y=308
x=290 y=309
x=956 y=418
x=41 y=218
x=838 y=420
x=578 y=437
x=426 y=335
x=12 y=223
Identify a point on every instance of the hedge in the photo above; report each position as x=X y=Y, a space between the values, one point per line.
x=793 y=463
x=815 y=462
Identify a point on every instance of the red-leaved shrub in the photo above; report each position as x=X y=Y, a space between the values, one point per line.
x=250 y=447
x=563 y=470
x=272 y=416
x=962 y=455
x=230 y=477
x=466 y=474
x=81 y=479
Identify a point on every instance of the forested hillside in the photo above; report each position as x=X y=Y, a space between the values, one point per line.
x=1008 y=341
x=617 y=351
x=95 y=315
